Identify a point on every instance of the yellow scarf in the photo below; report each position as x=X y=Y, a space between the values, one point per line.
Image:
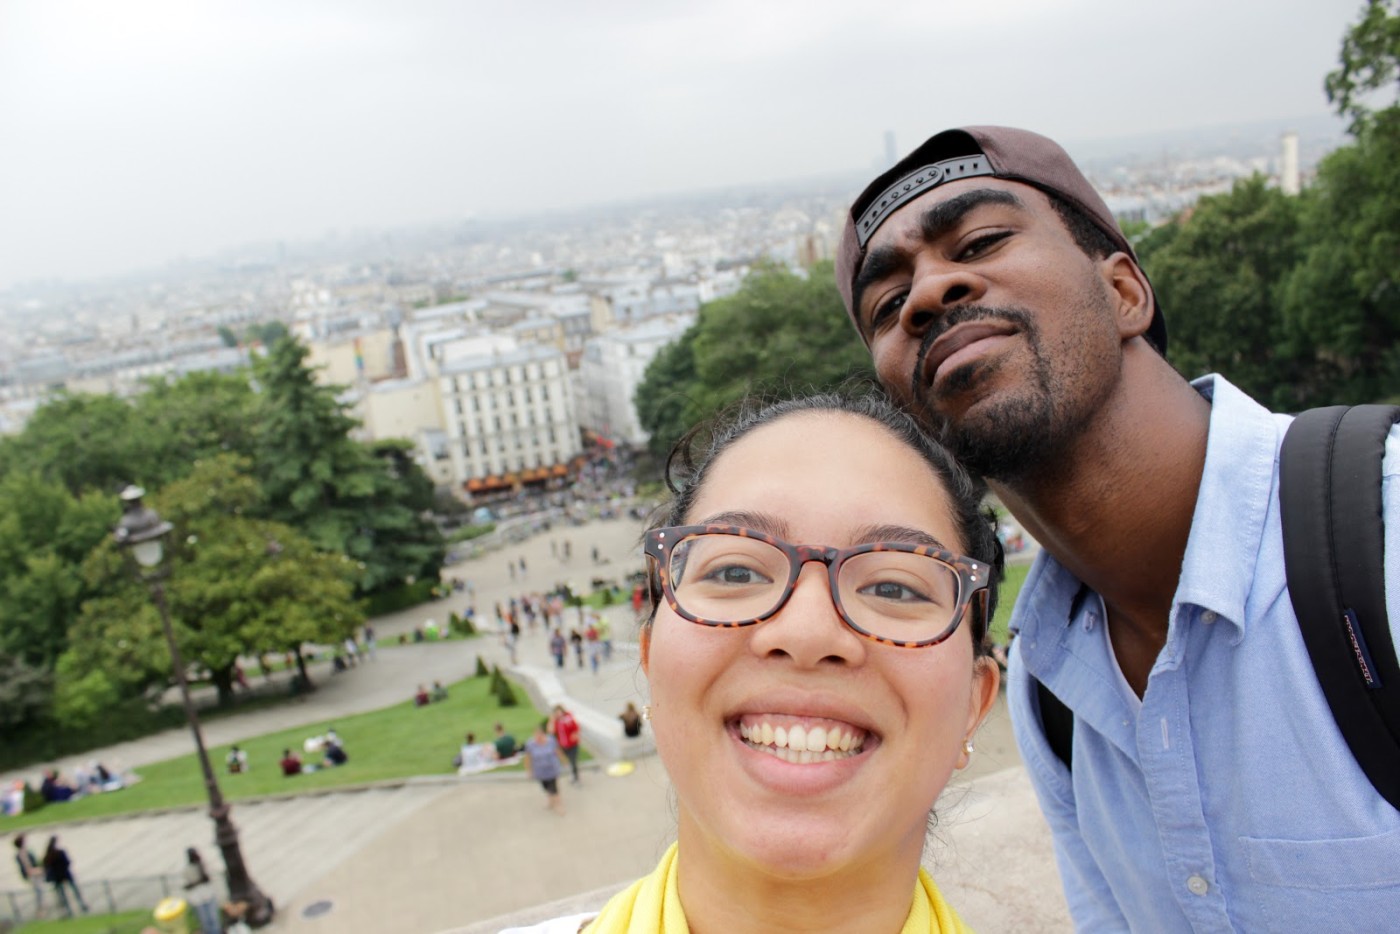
x=652 y=905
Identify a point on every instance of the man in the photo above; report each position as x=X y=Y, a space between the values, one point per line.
x=1209 y=788
x=506 y=745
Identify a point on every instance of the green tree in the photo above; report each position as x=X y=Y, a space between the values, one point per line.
x=24 y=692
x=1343 y=298
x=83 y=441
x=663 y=396
x=372 y=508
x=1370 y=62
x=780 y=334
x=45 y=533
x=1219 y=273
x=237 y=586
x=198 y=415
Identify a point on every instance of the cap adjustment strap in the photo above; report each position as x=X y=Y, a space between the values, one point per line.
x=914 y=184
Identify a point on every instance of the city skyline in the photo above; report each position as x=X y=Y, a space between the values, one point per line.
x=152 y=130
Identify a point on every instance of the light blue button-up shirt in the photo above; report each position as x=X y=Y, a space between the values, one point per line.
x=1226 y=798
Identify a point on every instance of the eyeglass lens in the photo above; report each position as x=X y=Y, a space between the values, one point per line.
x=894 y=595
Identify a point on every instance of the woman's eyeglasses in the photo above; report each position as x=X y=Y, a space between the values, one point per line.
x=892 y=592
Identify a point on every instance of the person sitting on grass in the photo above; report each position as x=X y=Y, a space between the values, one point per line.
x=506 y=745
x=333 y=753
x=475 y=757
x=420 y=698
x=291 y=763
x=55 y=789
x=237 y=760
x=439 y=692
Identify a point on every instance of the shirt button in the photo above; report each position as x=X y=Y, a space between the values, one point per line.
x=1208 y=616
x=1197 y=885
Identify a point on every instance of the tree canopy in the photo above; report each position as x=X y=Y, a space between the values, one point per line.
x=282 y=520
x=781 y=333
x=1296 y=298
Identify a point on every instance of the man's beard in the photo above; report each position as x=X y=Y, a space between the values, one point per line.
x=1012 y=437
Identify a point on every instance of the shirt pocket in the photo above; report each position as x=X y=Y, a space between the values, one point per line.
x=1315 y=884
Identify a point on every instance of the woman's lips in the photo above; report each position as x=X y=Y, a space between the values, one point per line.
x=961 y=344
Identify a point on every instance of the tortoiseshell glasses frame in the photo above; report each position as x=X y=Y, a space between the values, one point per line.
x=972 y=577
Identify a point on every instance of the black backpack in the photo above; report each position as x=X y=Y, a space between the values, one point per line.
x=1333 y=547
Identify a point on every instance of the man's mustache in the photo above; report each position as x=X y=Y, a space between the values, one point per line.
x=961 y=315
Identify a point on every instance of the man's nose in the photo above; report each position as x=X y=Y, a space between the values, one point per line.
x=938 y=286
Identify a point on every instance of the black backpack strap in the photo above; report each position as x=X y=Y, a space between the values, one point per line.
x=1333 y=544
x=1056 y=719
x=1058 y=723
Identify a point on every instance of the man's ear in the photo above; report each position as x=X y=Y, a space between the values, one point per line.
x=1133 y=299
x=644 y=644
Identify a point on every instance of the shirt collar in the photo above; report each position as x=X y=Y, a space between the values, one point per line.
x=1222 y=551
x=1237 y=488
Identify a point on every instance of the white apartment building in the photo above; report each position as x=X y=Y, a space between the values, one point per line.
x=509 y=415
x=611 y=369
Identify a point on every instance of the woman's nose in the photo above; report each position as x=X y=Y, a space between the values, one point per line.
x=809 y=629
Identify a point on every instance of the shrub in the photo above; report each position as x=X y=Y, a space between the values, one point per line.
x=393 y=599
x=506 y=694
x=481 y=670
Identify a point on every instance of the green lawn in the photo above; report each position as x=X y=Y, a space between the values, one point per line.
x=395 y=742
x=1006 y=599
x=127 y=922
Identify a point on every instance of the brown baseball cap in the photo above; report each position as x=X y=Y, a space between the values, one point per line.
x=995 y=151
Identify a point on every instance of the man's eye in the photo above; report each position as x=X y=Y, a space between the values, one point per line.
x=979 y=245
x=884 y=311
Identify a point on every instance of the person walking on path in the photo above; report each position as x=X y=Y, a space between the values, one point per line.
x=30 y=871
x=58 y=871
x=199 y=892
x=566 y=732
x=542 y=755
x=557 y=647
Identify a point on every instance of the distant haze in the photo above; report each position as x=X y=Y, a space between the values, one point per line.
x=136 y=131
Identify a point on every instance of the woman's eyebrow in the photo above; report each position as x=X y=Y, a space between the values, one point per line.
x=758 y=521
x=897 y=533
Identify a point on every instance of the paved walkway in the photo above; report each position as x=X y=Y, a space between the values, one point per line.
x=440 y=854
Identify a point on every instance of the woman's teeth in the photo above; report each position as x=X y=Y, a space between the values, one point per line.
x=799 y=744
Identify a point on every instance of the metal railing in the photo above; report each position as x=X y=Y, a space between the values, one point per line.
x=103 y=896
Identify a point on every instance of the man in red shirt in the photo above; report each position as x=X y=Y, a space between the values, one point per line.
x=566 y=734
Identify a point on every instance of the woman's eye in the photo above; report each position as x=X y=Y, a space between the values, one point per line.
x=890 y=590
x=979 y=245
x=736 y=574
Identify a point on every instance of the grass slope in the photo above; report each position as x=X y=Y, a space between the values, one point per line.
x=394 y=742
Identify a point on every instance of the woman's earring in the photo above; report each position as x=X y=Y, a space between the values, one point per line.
x=967 y=748
x=646 y=712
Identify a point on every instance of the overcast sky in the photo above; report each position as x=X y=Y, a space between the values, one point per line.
x=134 y=131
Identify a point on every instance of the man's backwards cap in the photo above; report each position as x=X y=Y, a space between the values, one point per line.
x=995 y=151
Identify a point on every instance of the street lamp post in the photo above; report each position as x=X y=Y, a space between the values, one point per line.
x=140 y=534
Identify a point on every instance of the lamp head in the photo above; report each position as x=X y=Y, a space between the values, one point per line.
x=141 y=529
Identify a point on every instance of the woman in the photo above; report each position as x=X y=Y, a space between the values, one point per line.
x=544 y=759
x=199 y=892
x=817 y=660
x=58 y=872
